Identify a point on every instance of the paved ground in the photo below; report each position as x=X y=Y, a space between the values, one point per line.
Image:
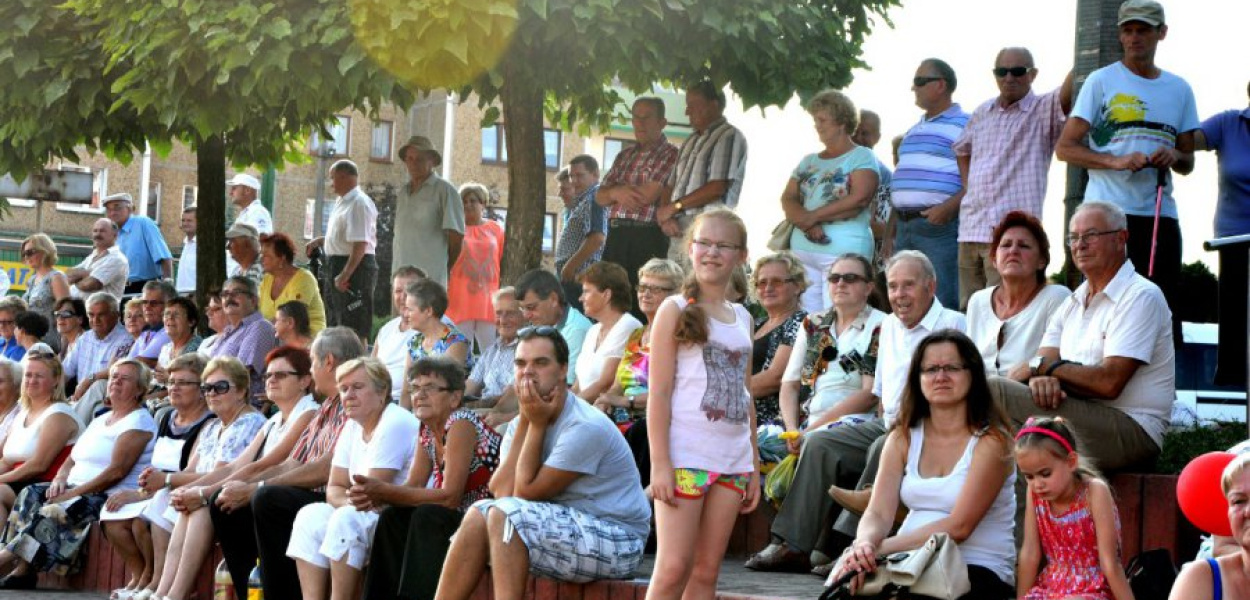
x=734 y=579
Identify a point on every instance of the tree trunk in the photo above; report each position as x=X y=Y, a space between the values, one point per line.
x=527 y=173
x=210 y=260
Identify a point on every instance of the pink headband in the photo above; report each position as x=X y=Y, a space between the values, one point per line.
x=1047 y=433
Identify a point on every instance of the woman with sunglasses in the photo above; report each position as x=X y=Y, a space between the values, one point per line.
x=46 y=286
x=1007 y=320
x=779 y=279
x=829 y=196
x=107 y=458
x=288 y=383
x=70 y=318
x=133 y=519
x=225 y=384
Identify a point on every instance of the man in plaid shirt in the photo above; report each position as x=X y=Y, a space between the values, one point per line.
x=1004 y=155
x=633 y=186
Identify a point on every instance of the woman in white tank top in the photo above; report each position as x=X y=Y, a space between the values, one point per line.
x=948 y=459
x=42 y=433
x=700 y=417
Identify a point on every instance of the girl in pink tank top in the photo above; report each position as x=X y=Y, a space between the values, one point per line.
x=700 y=418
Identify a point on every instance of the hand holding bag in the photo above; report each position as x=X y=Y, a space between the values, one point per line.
x=935 y=570
x=780 y=238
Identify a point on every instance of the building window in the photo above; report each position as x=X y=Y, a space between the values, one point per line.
x=611 y=148
x=380 y=147
x=99 y=189
x=153 y=208
x=189 y=195
x=340 y=137
x=495 y=148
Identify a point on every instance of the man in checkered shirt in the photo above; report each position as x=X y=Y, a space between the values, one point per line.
x=1004 y=155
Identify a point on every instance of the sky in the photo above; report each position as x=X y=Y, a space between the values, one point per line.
x=1206 y=44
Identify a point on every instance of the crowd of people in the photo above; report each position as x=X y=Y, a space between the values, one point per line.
x=902 y=334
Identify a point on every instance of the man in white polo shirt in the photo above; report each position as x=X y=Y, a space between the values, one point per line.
x=1106 y=363
x=350 y=242
x=244 y=189
x=848 y=453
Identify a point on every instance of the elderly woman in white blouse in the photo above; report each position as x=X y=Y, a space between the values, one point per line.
x=606 y=298
x=330 y=540
x=1006 y=321
x=835 y=354
x=108 y=457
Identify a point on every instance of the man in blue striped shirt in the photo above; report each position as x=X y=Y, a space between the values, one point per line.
x=927 y=189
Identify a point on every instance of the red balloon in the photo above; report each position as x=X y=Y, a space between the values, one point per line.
x=1200 y=494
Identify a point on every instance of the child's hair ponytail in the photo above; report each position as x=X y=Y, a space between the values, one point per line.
x=1054 y=435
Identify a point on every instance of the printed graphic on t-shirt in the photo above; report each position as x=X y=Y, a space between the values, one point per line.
x=725 y=397
x=1123 y=118
x=824 y=184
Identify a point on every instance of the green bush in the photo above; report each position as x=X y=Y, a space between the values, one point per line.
x=1182 y=445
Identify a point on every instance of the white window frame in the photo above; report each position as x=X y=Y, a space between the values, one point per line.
x=99 y=190
x=345 y=122
x=195 y=196
x=389 y=154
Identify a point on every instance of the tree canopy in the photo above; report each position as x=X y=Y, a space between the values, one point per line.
x=256 y=78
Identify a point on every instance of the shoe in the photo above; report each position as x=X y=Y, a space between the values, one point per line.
x=25 y=581
x=818 y=558
x=143 y=594
x=778 y=558
x=123 y=594
x=822 y=571
x=857 y=502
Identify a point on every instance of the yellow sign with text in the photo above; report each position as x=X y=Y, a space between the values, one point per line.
x=19 y=274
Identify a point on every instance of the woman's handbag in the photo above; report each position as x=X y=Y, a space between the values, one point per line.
x=934 y=570
x=780 y=239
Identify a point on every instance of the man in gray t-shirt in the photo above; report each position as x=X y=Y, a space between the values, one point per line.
x=569 y=503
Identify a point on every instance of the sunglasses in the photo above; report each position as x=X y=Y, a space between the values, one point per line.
x=836 y=278
x=923 y=81
x=64 y=314
x=29 y=253
x=279 y=375
x=1001 y=72
x=218 y=388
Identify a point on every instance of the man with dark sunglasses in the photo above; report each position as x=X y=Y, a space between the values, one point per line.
x=926 y=189
x=1004 y=156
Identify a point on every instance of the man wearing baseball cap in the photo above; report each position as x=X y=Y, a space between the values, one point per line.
x=1132 y=121
x=140 y=240
x=429 y=216
x=243 y=191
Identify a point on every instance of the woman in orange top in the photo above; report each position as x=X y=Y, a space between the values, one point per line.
x=475 y=276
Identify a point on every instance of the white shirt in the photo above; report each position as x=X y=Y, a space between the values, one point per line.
x=185 y=283
x=257 y=216
x=590 y=362
x=277 y=425
x=20 y=443
x=392 y=349
x=94 y=451
x=391 y=446
x=1131 y=319
x=1005 y=344
x=110 y=269
x=895 y=351
x=353 y=219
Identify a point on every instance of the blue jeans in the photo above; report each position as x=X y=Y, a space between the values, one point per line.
x=941 y=244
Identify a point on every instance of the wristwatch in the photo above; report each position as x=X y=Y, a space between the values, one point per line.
x=1035 y=366
x=677 y=205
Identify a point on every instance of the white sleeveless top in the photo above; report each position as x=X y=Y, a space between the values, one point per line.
x=991 y=544
x=22 y=440
x=711 y=427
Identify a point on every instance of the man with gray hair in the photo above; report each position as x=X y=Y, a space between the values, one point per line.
x=105 y=269
x=249 y=337
x=1004 y=156
x=350 y=243
x=844 y=455
x=243 y=247
x=1106 y=363
x=147 y=347
x=255 y=510
x=89 y=361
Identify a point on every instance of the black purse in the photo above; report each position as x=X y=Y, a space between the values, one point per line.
x=1151 y=574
